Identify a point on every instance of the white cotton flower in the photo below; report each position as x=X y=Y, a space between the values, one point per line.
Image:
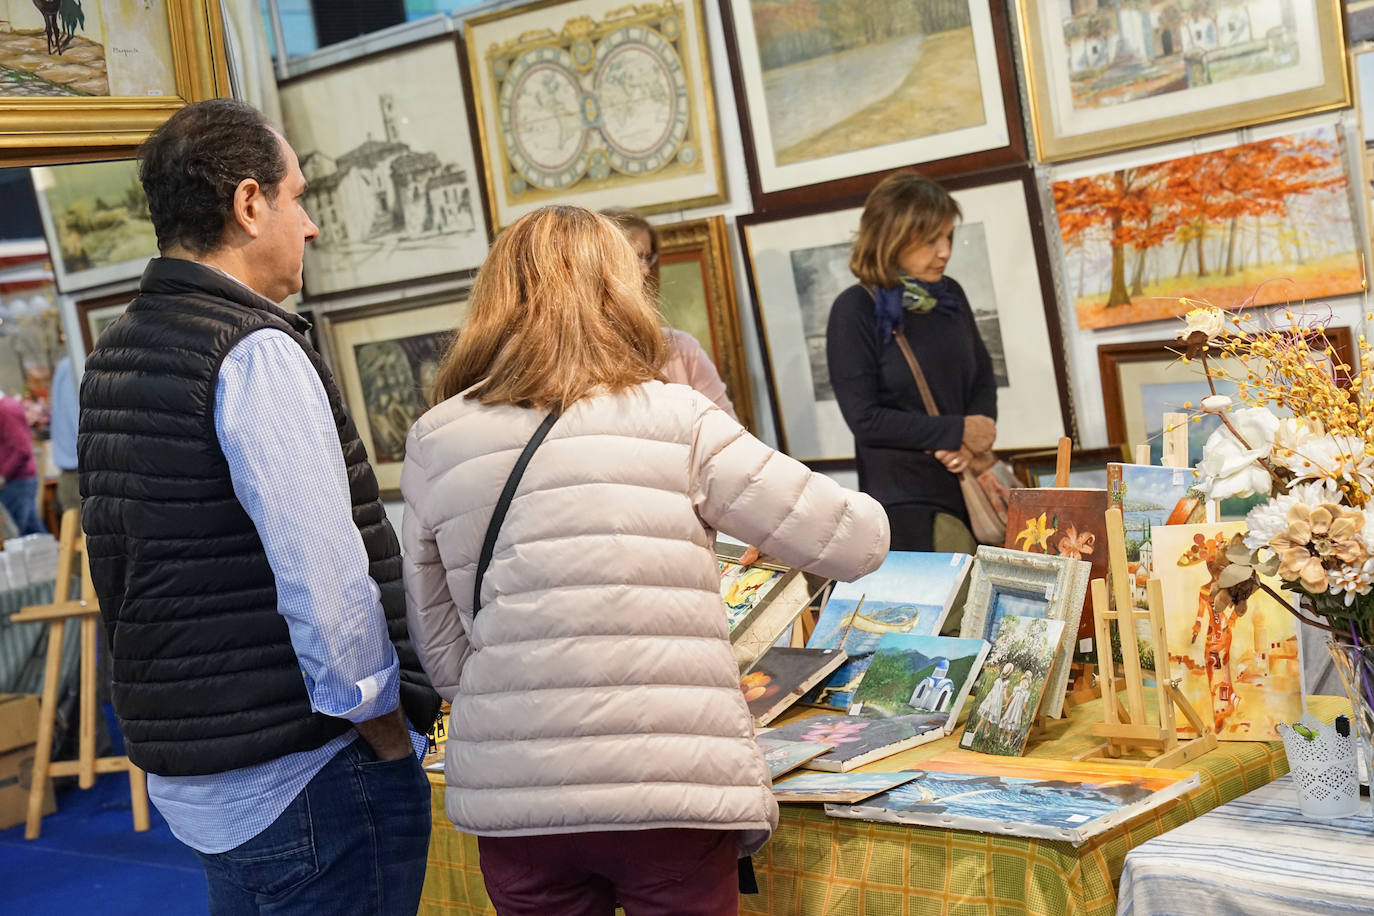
x=1210 y=321
x=1353 y=580
x=1230 y=469
x=1331 y=458
x=1216 y=403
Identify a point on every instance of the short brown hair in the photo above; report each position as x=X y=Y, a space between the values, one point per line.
x=903 y=209
x=557 y=313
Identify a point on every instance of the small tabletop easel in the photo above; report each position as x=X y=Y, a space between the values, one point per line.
x=1129 y=726
x=56 y=616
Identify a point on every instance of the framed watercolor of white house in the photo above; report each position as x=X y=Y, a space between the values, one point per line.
x=595 y=103
x=96 y=219
x=394 y=185
x=799 y=263
x=385 y=358
x=1105 y=77
x=833 y=89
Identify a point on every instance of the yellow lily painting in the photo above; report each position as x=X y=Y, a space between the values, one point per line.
x=1036 y=534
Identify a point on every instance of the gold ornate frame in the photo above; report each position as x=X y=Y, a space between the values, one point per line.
x=705 y=241
x=1334 y=92
x=46 y=131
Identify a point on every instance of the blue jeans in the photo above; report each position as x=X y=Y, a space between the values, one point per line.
x=20 y=499
x=354 y=841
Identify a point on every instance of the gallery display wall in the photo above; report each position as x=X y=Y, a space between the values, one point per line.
x=751 y=136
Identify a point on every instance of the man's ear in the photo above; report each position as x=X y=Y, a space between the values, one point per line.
x=248 y=203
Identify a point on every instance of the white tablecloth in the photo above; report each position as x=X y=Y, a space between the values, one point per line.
x=1255 y=856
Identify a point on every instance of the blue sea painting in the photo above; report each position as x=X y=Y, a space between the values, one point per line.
x=1051 y=803
x=910 y=593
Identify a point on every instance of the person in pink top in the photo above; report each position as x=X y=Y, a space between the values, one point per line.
x=688 y=363
x=18 y=473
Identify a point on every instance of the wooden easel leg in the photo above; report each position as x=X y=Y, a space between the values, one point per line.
x=138 y=795
x=47 y=719
x=86 y=774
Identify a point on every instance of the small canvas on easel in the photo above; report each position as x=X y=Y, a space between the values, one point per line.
x=1064 y=522
x=911 y=675
x=782 y=675
x=1237 y=654
x=1011 y=685
x=910 y=593
x=1149 y=496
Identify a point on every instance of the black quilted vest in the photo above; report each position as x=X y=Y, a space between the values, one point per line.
x=204 y=676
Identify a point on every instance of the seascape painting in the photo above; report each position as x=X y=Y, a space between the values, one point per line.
x=919 y=674
x=96 y=217
x=1266 y=222
x=76 y=48
x=1238 y=660
x=394 y=186
x=1062 y=522
x=1011 y=685
x=1048 y=799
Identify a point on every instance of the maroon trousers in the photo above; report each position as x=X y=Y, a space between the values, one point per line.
x=682 y=872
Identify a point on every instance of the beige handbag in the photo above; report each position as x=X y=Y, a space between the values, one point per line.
x=987 y=512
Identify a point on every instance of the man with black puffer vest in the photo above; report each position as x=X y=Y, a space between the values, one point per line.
x=249 y=582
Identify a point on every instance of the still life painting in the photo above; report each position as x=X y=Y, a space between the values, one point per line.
x=780 y=677
x=919 y=674
x=1049 y=799
x=1062 y=522
x=1011 y=685
x=1236 y=652
x=1260 y=223
x=393 y=187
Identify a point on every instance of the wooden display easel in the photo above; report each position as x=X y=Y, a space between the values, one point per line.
x=1128 y=727
x=56 y=615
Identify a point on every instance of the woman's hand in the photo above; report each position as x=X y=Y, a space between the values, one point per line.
x=956 y=462
x=979 y=433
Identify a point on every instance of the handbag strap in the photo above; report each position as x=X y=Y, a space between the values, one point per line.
x=498 y=515
x=927 y=398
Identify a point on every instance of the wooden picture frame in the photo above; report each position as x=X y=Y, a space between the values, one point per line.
x=697 y=294
x=384 y=357
x=85 y=123
x=1124 y=367
x=396 y=187
x=1039 y=585
x=1190 y=78
x=95 y=217
x=582 y=135
x=989 y=132
x=95 y=314
x=791 y=319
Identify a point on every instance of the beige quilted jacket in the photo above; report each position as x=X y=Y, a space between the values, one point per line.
x=596 y=689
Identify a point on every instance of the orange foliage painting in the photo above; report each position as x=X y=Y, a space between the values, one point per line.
x=1256 y=224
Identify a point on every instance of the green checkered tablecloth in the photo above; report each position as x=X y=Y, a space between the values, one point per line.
x=821 y=866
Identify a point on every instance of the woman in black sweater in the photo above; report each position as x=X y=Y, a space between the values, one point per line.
x=908 y=460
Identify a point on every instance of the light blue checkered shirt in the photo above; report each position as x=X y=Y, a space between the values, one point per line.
x=276 y=429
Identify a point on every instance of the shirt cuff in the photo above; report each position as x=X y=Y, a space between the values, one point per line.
x=373 y=696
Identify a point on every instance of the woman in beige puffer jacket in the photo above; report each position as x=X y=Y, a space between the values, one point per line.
x=595 y=696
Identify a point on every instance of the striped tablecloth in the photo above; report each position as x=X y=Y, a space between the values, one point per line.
x=1256 y=856
x=822 y=866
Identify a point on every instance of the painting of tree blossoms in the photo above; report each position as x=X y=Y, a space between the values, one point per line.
x=1257 y=224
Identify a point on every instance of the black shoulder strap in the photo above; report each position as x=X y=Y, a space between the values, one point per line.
x=498 y=515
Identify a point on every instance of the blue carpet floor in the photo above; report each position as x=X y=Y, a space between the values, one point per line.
x=89 y=860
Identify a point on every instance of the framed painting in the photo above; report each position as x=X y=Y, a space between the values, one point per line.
x=394 y=185
x=91 y=82
x=385 y=359
x=97 y=313
x=696 y=293
x=799 y=263
x=833 y=95
x=96 y=221
x=1258 y=223
x=1087 y=466
x=1009 y=583
x=1103 y=77
x=1144 y=379
x=595 y=103
x=1066 y=522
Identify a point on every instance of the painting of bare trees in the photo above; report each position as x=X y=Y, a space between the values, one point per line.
x=1261 y=223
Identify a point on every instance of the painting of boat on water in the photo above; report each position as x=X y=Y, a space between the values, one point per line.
x=1048 y=799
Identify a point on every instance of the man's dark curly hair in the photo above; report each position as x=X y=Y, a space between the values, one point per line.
x=192 y=164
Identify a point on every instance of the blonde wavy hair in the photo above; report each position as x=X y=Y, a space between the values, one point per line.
x=558 y=311
x=904 y=209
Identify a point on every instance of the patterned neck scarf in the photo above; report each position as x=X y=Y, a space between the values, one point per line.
x=911 y=295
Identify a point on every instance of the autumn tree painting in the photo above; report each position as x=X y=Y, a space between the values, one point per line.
x=1261 y=223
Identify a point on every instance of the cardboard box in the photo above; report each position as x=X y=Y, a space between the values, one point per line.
x=18 y=737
